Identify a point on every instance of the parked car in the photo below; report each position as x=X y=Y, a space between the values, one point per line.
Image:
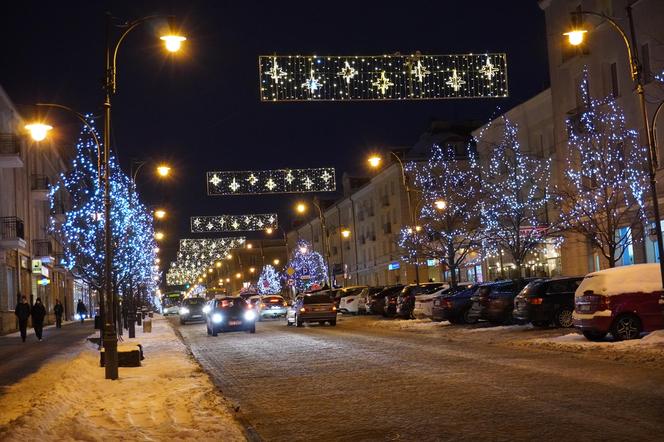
x=453 y=305
x=192 y=310
x=351 y=299
x=546 y=301
x=405 y=301
x=367 y=296
x=494 y=302
x=424 y=302
x=230 y=313
x=314 y=307
x=272 y=306
x=376 y=302
x=623 y=301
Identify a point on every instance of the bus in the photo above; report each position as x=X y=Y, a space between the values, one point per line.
x=170 y=302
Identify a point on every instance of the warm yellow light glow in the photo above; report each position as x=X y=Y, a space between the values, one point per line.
x=575 y=36
x=301 y=208
x=163 y=170
x=159 y=236
x=249 y=246
x=228 y=279
x=217 y=264
x=209 y=270
x=418 y=228
x=440 y=204
x=38 y=131
x=238 y=275
x=374 y=160
x=269 y=230
x=275 y=262
x=160 y=213
x=229 y=256
x=173 y=42
x=345 y=233
x=252 y=269
x=200 y=279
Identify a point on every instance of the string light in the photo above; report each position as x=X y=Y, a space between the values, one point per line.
x=269 y=281
x=271 y=181
x=309 y=266
x=382 y=77
x=233 y=223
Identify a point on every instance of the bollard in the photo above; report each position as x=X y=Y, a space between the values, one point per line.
x=147 y=326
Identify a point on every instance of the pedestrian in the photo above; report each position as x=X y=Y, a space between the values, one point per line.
x=22 y=312
x=81 y=310
x=38 y=314
x=58 y=310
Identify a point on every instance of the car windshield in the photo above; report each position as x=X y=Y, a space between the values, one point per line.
x=317 y=299
x=231 y=303
x=193 y=301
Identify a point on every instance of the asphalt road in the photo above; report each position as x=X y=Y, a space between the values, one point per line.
x=362 y=381
x=19 y=359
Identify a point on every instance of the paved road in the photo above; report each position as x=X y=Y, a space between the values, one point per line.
x=19 y=359
x=358 y=381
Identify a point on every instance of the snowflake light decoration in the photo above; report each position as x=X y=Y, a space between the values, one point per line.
x=271 y=181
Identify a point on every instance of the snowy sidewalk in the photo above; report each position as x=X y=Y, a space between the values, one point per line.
x=168 y=398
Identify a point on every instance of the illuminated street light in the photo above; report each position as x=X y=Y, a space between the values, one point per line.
x=229 y=256
x=38 y=131
x=252 y=269
x=217 y=264
x=575 y=36
x=440 y=204
x=345 y=233
x=210 y=270
x=249 y=245
x=163 y=170
x=269 y=230
x=173 y=43
x=160 y=213
x=374 y=161
x=228 y=279
x=276 y=262
x=238 y=275
x=301 y=208
x=200 y=279
x=159 y=236
x=418 y=228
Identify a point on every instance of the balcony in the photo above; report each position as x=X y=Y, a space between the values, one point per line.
x=11 y=233
x=10 y=151
x=40 y=187
x=42 y=248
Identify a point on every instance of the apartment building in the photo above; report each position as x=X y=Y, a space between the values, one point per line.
x=31 y=260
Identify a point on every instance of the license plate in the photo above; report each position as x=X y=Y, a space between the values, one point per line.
x=196 y=316
x=234 y=322
x=583 y=307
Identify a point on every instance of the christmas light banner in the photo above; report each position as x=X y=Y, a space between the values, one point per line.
x=382 y=77
x=208 y=245
x=233 y=223
x=271 y=181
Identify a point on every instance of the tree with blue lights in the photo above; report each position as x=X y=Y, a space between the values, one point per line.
x=605 y=177
x=269 y=281
x=309 y=266
x=449 y=219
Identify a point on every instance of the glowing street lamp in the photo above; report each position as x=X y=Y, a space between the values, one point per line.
x=38 y=131
x=238 y=275
x=159 y=236
x=163 y=170
x=229 y=256
x=276 y=262
x=249 y=245
x=160 y=214
x=252 y=269
x=440 y=204
x=217 y=264
x=210 y=270
x=301 y=208
x=173 y=43
x=228 y=279
x=576 y=36
x=374 y=161
x=345 y=233
x=269 y=230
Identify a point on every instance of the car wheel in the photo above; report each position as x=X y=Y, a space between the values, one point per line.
x=626 y=327
x=333 y=323
x=297 y=322
x=540 y=323
x=214 y=331
x=208 y=329
x=252 y=329
x=564 y=318
x=469 y=319
x=594 y=336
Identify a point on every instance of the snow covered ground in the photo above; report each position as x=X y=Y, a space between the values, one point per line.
x=408 y=324
x=168 y=398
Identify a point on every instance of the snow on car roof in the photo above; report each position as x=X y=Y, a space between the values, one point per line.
x=645 y=278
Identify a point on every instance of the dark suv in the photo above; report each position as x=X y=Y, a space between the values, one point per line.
x=376 y=302
x=454 y=305
x=545 y=301
x=191 y=309
x=405 y=301
x=494 y=302
x=230 y=313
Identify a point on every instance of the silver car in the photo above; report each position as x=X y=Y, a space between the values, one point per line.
x=271 y=306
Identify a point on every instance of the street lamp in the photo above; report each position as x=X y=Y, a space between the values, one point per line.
x=276 y=261
x=440 y=204
x=38 y=131
x=163 y=170
x=160 y=214
x=345 y=233
x=173 y=42
x=636 y=70
x=159 y=236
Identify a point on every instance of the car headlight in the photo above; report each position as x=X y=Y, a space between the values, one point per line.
x=77 y=316
x=249 y=315
x=206 y=309
x=184 y=311
x=217 y=318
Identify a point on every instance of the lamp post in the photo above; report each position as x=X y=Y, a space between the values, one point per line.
x=301 y=208
x=374 y=161
x=576 y=37
x=173 y=43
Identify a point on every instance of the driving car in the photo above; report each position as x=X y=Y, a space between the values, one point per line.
x=546 y=301
x=313 y=307
x=271 y=306
x=454 y=305
x=171 y=309
x=351 y=299
x=192 y=310
x=230 y=313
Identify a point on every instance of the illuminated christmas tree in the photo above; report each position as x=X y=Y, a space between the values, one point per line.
x=515 y=194
x=309 y=266
x=603 y=194
x=269 y=281
x=449 y=221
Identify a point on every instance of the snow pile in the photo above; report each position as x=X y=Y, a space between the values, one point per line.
x=499 y=328
x=649 y=349
x=168 y=398
x=409 y=324
x=635 y=278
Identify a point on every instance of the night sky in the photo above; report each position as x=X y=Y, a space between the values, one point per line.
x=200 y=110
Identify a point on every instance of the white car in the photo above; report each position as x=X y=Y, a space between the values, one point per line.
x=171 y=310
x=424 y=303
x=353 y=300
x=271 y=306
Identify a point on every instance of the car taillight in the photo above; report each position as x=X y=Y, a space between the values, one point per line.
x=334 y=308
x=535 y=300
x=303 y=309
x=285 y=304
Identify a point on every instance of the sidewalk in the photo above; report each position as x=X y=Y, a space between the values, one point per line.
x=168 y=398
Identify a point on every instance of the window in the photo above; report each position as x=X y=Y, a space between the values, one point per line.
x=11 y=289
x=624 y=238
x=615 y=90
x=645 y=63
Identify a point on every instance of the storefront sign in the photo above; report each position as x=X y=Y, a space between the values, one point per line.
x=432 y=262
x=36 y=266
x=393 y=265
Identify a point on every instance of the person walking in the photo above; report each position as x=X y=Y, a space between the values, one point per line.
x=22 y=312
x=58 y=310
x=38 y=314
x=81 y=310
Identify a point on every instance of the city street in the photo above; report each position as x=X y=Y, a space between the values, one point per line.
x=375 y=379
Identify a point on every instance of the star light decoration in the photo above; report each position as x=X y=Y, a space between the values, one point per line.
x=275 y=72
x=233 y=223
x=384 y=77
x=271 y=181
